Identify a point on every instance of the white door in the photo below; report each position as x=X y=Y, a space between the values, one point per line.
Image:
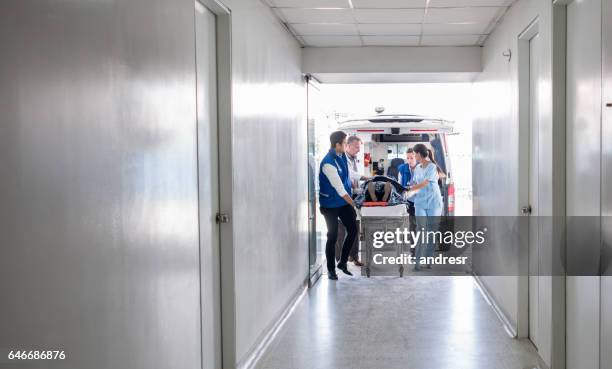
x=208 y=182
x=534 y=50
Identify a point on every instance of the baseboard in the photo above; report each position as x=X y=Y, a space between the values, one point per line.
x=263 y=342
x=508 y=326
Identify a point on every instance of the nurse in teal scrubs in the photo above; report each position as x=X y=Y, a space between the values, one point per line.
x=427 y=201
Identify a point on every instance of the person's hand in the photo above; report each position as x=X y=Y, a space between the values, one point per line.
x=348 y=200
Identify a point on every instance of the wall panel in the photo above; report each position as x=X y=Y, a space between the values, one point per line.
x=583 y=176
x=606 y=184
x=270 y=202
x=98 y=223
x=497 y=166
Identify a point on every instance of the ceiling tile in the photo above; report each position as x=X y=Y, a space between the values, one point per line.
x=455 y=29
x=310 y=29
x=389 y=3
x=390 y=40
x=389 y=15
x=458 y=15
x=449 y=40
x=316 y=15
x=389 y=29
x=330 y=41
x=310 y=3
x=462 y=3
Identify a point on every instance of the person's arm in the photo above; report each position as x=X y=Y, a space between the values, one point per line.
x=418 y=186
x=348 y=200
x=356 y=176
x=332 y=175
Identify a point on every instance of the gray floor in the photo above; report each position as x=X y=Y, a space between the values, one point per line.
x=423 y=322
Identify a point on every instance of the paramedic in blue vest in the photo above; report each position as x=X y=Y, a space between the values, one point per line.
x=406 y=174
x=336 y=203
x=353 y=146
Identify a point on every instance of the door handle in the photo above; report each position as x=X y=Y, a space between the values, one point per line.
x=222 y=218
x=526 y=210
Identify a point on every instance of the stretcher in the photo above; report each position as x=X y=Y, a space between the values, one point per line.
x=377 y=219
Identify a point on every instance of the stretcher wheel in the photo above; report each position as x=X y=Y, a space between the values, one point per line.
x=368 y=272
x=401 y=270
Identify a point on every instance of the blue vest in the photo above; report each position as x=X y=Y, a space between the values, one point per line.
x=328 y=196
x=404 y=170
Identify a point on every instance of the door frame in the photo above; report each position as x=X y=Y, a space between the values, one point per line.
x=225 y=127
x=556 y=269
x=524 y=109
x=313 y=275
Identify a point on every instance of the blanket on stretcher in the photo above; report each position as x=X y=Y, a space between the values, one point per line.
x=397 y=191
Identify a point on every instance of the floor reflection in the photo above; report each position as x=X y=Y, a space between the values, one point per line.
x=422 y=322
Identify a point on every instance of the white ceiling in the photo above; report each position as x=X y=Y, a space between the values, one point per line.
x=337 y=23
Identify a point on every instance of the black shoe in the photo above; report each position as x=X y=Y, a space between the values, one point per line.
x=344 y=269
x=333 y=277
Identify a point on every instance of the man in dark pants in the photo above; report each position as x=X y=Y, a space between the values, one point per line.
x=353 y=146
x=336 y=203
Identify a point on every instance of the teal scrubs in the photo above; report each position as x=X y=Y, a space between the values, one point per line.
x=428 y=197
x=428 y=209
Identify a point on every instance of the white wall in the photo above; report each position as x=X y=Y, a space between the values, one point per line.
x=99 y=217
x=584 y=74
x=374 y=59
x=496 y=162
x=269 y=170
x=392 y=64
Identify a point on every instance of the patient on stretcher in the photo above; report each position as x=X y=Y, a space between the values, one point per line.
x=378 y=191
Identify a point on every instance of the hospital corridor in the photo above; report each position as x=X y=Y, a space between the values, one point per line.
x=305 y=184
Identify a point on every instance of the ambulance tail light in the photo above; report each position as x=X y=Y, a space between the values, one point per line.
x=451 y=198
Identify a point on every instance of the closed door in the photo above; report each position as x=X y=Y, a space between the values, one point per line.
x=208 y=182
x=534 y=234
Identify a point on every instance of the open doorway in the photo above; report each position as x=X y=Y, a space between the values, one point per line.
x=330 y=106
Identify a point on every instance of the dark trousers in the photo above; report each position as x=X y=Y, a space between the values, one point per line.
x=354 y=253
x=348 y=217
x=412 y=219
